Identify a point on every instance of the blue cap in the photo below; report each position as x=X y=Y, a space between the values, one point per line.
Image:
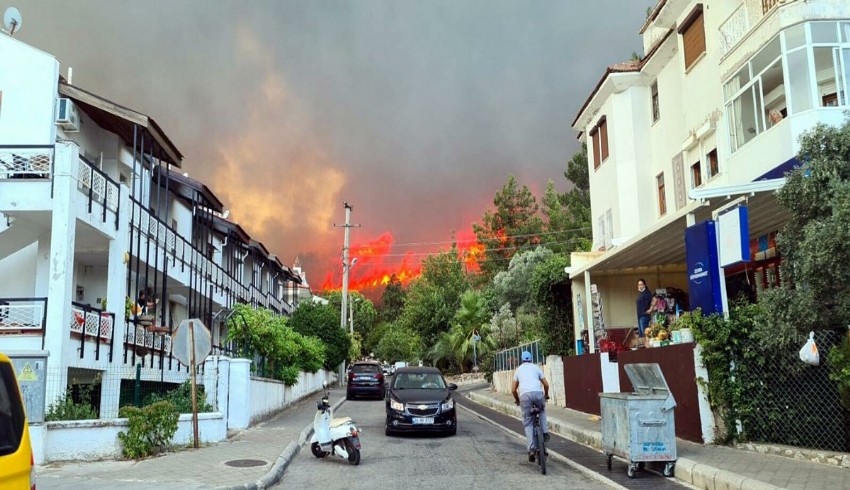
x=526 y=356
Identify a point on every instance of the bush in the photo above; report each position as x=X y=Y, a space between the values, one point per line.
x=181 y=398
x=150 y=429
x=66 y=408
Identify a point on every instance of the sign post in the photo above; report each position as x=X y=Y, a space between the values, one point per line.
x=191 y=345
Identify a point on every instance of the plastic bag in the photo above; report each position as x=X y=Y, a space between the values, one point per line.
x=809 y=352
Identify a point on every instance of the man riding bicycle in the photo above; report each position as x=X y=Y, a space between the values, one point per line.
x=530 y=390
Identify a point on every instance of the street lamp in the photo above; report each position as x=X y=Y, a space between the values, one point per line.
x=475 y=339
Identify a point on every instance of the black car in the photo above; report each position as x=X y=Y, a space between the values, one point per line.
x=365 y=378
x=419 y=399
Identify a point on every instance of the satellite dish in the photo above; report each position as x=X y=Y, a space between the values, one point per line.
x=12 y=20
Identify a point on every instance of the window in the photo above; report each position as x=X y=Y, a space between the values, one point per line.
x=696 y=175
x=713 y=165
x=656 y=112
x=662 y=198
x=599 y=137
x=693 y=36
x=609 y=228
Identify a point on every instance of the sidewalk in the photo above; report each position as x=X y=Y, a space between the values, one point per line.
x=258 y=457
x=705 y=467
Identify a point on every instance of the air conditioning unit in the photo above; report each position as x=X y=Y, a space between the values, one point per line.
x=67 y=116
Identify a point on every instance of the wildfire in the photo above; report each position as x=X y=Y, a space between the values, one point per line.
x=377 y=261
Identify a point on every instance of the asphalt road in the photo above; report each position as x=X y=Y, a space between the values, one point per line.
x=479 y=456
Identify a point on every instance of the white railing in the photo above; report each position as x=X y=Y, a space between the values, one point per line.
x=733 y=29
x=91 y=180
x=26 y=162
x=92 y=323
x=19 y=318
x=141 y=337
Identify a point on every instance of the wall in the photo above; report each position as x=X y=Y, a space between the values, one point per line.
x=21 y=266
x=28 y=81
x=98 y=439
x=269 y=396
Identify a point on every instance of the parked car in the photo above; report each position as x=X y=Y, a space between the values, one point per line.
x=419 y=399
x=365 y=378
x=17 y=469
x=389 y=369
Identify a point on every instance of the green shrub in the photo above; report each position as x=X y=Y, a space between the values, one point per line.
x=181 y=398
x=150 y=429
x=65 y=408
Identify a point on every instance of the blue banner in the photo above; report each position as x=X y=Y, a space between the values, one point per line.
x=703 y=275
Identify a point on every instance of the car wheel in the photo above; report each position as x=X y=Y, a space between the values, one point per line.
x=349 y=396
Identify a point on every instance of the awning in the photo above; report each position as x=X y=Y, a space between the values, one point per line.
x=664 y=243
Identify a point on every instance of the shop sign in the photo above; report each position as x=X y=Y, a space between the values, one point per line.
x=703 y=277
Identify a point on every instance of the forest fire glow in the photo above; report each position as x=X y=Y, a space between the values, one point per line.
x=377 y=261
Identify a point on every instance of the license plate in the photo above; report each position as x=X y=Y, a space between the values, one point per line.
x=423 y=420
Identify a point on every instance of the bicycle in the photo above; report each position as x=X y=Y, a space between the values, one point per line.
x=539 y=441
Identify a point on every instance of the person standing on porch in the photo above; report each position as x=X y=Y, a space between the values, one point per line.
x=645 y=302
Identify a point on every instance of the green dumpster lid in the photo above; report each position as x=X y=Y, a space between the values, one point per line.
x=648 y=379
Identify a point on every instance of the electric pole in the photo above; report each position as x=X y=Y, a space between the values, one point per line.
x=346 y=264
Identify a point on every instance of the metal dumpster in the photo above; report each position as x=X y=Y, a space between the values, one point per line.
x=639 y=426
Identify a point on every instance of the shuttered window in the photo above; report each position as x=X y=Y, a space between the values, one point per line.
x=693 y=36
x=662 y=195
x=599 y=141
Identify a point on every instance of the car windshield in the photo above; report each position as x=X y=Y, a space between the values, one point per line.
x=419 y=381
x=365 y=369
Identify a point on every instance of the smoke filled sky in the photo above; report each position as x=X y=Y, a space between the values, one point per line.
x=415 y=112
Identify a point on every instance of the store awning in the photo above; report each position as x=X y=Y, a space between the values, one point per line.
x=664 y=243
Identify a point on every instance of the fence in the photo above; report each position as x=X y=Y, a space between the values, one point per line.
x=789 y=402
x=509 y=359
x=26 y=161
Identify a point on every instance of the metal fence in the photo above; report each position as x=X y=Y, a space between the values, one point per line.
x=509 y=359
x=789 y=402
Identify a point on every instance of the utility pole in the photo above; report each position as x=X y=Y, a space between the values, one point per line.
x=345 y=264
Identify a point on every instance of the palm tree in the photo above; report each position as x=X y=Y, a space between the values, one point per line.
x=456 y=345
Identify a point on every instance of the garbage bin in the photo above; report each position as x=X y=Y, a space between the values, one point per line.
x=639 y=427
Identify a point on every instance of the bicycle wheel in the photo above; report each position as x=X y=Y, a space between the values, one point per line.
x=541 y=449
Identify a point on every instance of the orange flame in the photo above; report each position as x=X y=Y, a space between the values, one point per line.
x=377 y=262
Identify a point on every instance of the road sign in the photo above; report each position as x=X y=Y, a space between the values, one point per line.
x=191 y=335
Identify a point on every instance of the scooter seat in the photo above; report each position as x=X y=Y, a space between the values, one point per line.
x=340 y=421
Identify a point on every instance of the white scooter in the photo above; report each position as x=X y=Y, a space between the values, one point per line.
x=339 y=437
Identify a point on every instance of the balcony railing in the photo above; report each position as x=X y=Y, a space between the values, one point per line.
x=93 y=323
x=766 y=5
x=733 y=29
x=26 y=161
x=23 y=316
x=99 y=188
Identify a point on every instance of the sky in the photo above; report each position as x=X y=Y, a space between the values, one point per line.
x=414 y=112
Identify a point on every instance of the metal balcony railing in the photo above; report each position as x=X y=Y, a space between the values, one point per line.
x=92 y=323
x=26 y=161
x=23 y=316
x=98 y=187
x=766 y=5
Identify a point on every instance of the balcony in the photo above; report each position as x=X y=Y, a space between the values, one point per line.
x=26 y=161
x=25 y=316
x=767 y=5
x=92 y=324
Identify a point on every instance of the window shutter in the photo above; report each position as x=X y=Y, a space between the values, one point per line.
x=709 y=143
x=603 y=136
x=594 y=147
x=693 y=36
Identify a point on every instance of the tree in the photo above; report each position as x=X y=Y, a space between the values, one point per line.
x=322 y=321
x=455 y=347
x=575 y=221
x=398 y=344
x=512 y=227
x=551 y=291
x=433 y=298
x=504 y=328
x=513 y=285
x=360 y=309
x=815 y=242
x=392 y=300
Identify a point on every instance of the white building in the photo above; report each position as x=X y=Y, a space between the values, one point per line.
x=712 y=112
x=94 y=209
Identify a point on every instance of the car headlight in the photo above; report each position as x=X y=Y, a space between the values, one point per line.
x=448 y=405
x=396 y=405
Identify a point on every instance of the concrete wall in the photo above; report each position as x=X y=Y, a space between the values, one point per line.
x=98 y=439
x=28 y=81
x=269 y=396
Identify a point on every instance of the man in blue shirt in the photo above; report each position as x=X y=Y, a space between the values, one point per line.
x=530 y=389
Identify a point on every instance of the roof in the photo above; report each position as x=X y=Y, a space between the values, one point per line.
x=225 y=227
x=189 y=189
x=123 y=122
x=418 y=369
x=625 y=67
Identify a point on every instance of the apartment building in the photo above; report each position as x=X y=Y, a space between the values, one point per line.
x=98 y=221
x=711 y=114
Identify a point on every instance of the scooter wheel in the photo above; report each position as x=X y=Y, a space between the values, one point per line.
x=317 y=450
x=353 y=453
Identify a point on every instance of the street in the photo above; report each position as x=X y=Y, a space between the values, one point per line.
x=480 y=455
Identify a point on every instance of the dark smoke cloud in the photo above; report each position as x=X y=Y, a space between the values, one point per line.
x=413 y=111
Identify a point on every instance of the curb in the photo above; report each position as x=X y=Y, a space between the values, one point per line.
x=288 y=454
x=699 y=475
